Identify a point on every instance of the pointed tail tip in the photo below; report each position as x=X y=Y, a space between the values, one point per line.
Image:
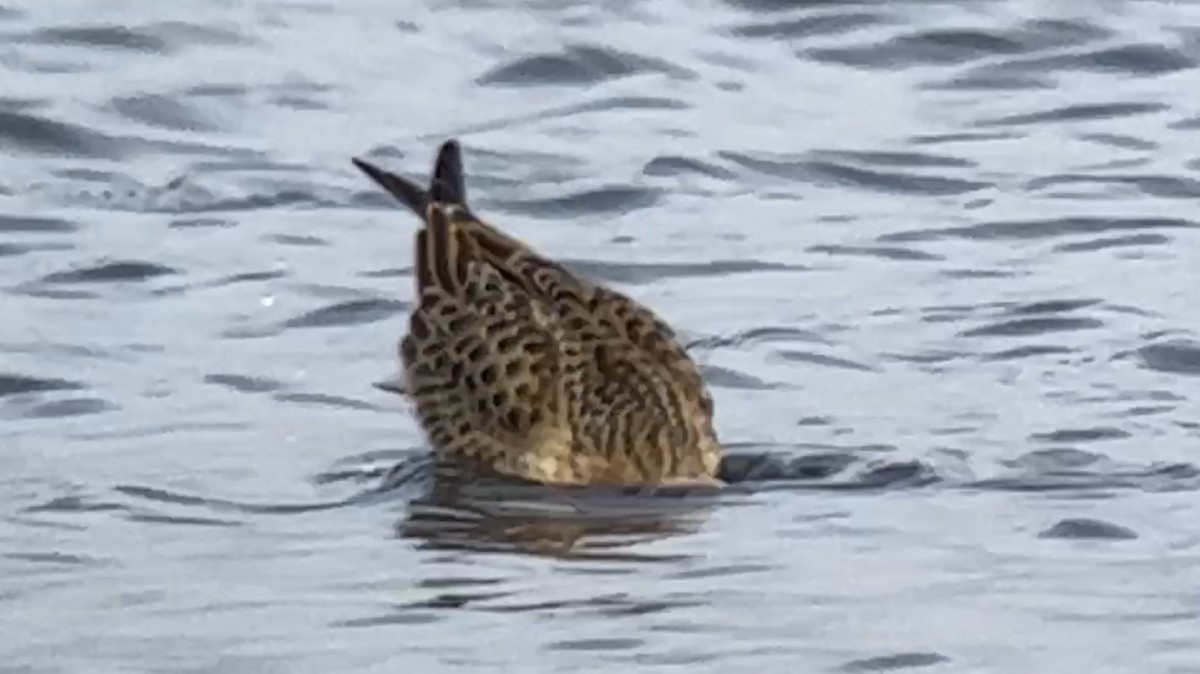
x=448 y=163
x=447 y=183
x=404 y=190
x=364 y=165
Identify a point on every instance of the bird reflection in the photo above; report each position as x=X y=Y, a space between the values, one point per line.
x=473 y=512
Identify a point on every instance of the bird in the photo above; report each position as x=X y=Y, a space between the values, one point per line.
x=520 y=368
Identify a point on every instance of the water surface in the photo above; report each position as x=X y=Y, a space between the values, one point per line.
x=937 y=259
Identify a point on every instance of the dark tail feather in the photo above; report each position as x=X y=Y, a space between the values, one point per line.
x=448 y=184
x=444 y=251
x=406 y=191
x=423 y=273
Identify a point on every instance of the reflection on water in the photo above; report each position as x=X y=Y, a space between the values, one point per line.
x=567 y=523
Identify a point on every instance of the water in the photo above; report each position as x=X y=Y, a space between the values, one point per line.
x=938 y=260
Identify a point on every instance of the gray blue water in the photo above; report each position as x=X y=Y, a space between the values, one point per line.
x=939 y=261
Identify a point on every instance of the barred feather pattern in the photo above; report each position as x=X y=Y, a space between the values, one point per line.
x=517 y=365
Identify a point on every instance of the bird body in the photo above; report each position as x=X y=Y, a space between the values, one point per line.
x=516 y=365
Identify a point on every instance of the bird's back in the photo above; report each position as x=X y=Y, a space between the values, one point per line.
x=516 y=363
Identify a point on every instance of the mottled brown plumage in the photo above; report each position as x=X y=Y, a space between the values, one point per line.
x=517 y=365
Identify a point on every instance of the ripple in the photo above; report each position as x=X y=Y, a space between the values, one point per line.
x=1075 y=435
x=887 y=663
x=1106 y=243
x=829 y=173
x=1032 y=326
x=1076 y=113
x=1120 y=141
x=992 y=79
x=188 y=193
x=1011 y=56
x=71 y=407
x=1057 y=459
x=15 y=249
x=199 y=222
x=390 y=272
x=35 y=133
x=111 y=272
x=961 y=137
x=178 y=520
x=721 y=377
x=643 y=273
x=776 y=166
x=16 y=384
x=939 y=47
x=390 y=468
x=599 y=201
x=1171 y=187
x=788 y=5
x=164 y=496
x=761 y=335
x=895 y=182
x=326 y=400
x=1187 y=124
x=98 y=36
x=677 y=166
x=353 y=312
x=602 y=104
x=73 y=504
x=901 y=159
x=391 y=619
x=754 y=471
x=1037 y=229
x=250 y=332
x=578 y=64
x=1051 y=306
x=217 y=90
x=1029 y=351
x=882 y=252
x=297 y=240
x=823 y=360
x=1177 y=357
x=162 y=112
x=1089 y=529
x=215 y=34
x=243 y=384
x=35 y=224
x=55 y=558
x=295 y=102
x=1045 y=34
x=1069 y=469
x=1033 y=319
x=809 y=26
x=249 y=277
x=724 y=571
x=1138 y=59
x=597 y=644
